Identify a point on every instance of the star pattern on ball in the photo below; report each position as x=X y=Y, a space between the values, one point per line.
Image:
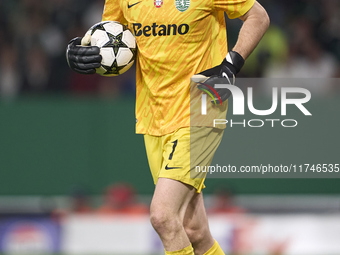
x=115 y=42
x=114 y=38
x=114 y=69
x=98 y=27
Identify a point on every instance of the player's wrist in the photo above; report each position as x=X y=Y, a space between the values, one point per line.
x=234 y=61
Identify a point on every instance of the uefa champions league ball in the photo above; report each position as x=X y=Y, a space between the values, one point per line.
x=117 y=45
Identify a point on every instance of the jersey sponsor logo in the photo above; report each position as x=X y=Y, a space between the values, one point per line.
x=158 y=3
x=182 y=5
x=169 y=168
x=130 y=5
x=160 y=30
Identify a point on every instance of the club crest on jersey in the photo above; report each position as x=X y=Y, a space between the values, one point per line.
x=182 y=5
x=158 y=3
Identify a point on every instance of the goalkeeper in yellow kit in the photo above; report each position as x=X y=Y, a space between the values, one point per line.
x=180 y=43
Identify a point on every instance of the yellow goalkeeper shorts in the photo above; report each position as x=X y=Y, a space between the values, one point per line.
x=174 y=155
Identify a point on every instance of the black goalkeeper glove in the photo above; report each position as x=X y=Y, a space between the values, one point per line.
x=227 y=70
x=81 y=57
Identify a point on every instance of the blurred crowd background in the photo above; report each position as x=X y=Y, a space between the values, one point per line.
x=303 y=41
x=33 y=38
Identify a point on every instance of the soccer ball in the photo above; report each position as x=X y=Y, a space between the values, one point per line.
x=117 y=47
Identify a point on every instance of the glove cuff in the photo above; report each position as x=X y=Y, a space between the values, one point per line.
x=235 y=59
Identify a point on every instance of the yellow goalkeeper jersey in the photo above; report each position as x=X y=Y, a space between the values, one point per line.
x=176 y=39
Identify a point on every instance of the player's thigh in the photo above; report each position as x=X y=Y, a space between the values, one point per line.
x=171 y=197
x=154 y=152
x=181 y=151
x=187 y=148
x=169 y=156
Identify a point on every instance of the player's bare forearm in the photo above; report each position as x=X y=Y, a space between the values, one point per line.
x=256 y=22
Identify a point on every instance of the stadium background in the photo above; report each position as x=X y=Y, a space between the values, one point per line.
x=65 y=136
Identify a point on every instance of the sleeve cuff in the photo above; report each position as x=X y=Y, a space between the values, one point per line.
x=246 y=7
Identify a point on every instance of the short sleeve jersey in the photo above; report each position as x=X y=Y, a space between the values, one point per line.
x=176 y=39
